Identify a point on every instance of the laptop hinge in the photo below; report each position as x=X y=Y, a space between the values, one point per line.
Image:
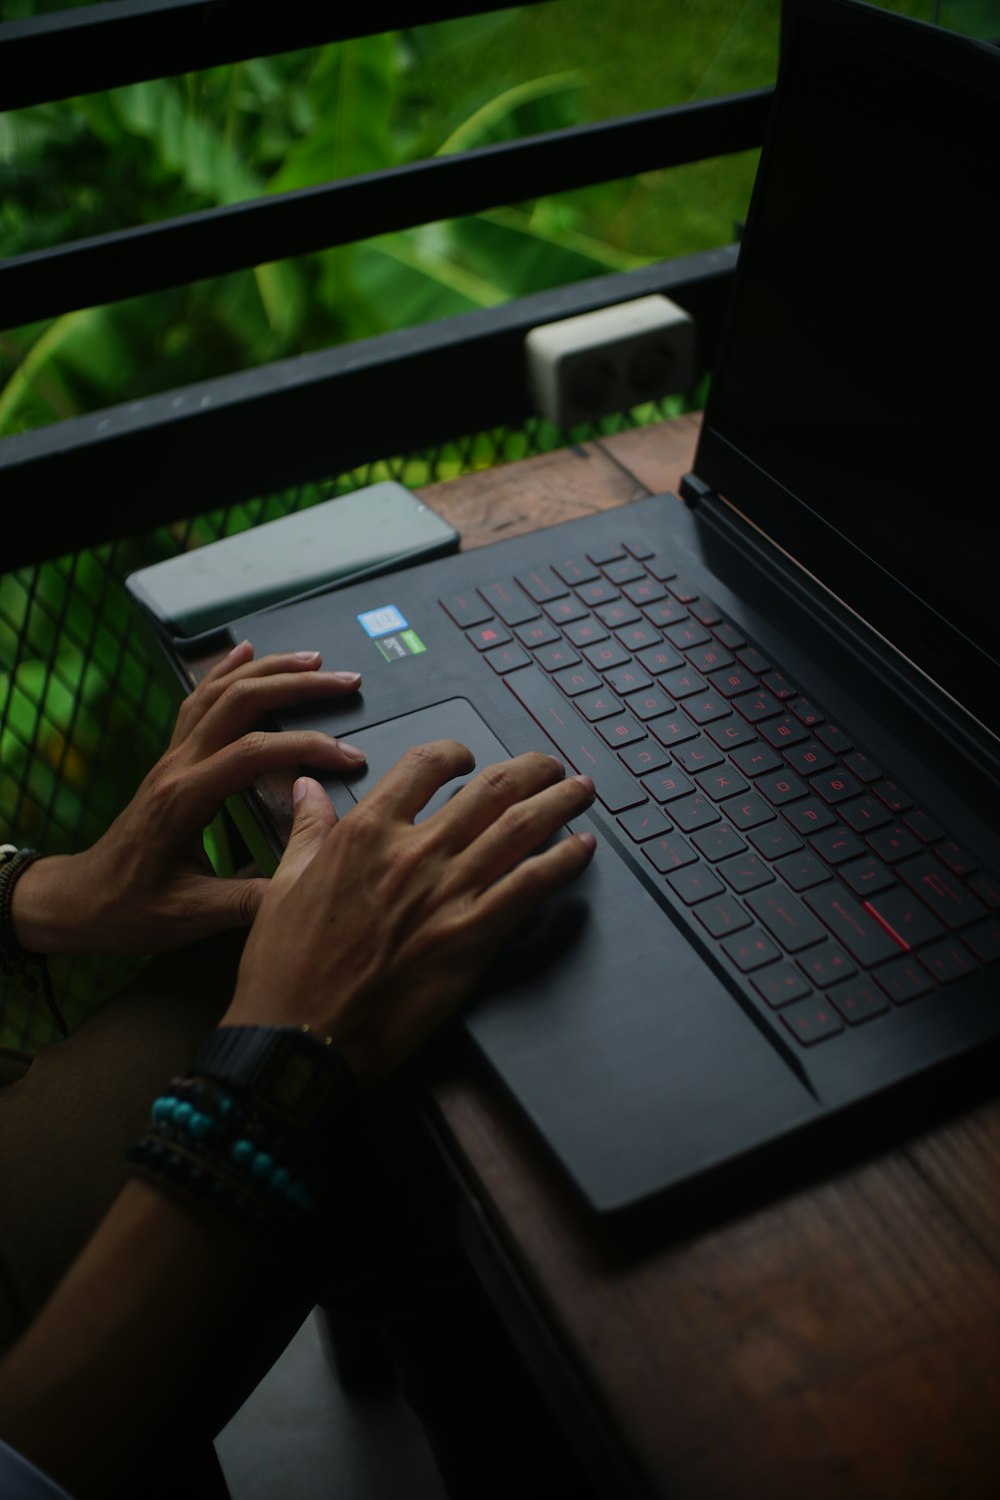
x=694 y=490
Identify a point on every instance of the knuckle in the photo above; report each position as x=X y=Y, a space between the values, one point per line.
x=251 y=746
x=498 y=779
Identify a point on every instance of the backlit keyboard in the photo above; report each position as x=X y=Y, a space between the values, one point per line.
x=783 y=842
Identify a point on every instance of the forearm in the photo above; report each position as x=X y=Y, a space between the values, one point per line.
x=52 y=909
x=84 y=1391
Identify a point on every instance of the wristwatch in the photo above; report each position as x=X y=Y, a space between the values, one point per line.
x=282 y=1073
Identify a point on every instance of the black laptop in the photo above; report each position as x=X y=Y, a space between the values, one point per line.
x=786 y=687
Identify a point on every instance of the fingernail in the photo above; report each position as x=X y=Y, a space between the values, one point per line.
x=306 y=655
x=558 y=762
x=240 y=646
x=299 y=789
x=586 y=782
x=346 y=676
x=589 y=840
x=352 y=752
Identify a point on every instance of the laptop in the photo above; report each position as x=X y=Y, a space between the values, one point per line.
x=786 y=684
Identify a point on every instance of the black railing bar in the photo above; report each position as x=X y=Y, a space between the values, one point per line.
x=213 y=242
x=129 y=468
x=129 y=41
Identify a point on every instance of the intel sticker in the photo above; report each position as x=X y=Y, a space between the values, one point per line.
x=381 y=621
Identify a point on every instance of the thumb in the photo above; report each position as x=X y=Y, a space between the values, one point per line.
x=312 y=821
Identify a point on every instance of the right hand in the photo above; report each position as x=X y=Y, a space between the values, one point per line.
x=375 y=929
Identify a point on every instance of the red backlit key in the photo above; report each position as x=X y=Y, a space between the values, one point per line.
x=948 y=898
x=717 y=843
x=670 y=852
x=903 y=980
x=484 y=637
x=948 y=961
x=509 y=602
x=750 y=950
x=825 y=965
x=642 y=823
x=745 y=872
x=781 y=984
x=466 y=609
x=812 y=1021
x=865 y=939
x=907 y=918
x=858 y=1000
x=695 y=883
x=835 y=845
x=721 y=915
x=784 y=915
x=644 y=758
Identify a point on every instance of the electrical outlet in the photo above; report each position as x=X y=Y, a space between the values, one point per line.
x=606 y=361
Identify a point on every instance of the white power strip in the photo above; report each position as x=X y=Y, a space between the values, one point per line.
x=605 y=361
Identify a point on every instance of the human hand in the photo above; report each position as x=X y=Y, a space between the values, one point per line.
x=375 y=929
x=147 y=884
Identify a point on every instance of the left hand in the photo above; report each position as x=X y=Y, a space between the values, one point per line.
x=147 y=884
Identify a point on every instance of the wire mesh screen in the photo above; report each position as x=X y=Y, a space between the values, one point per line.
x=83 y=709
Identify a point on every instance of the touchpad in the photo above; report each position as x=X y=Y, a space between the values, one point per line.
x=455 y=719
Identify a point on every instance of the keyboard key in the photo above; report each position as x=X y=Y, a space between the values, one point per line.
x=731 y=733
x=862 y=766
x=573 y=738
x=600 y=705
x=926 y=830
x=484 y=637
x=857 y=1001
x=987 y=889
x=948 y=961
x=642 y=823
x=745 y=872
x=620 y=731
x=836 y=845
x=747 y=812
x=697 y=755
x=955 y=857
x=466 y=609
x=662 y=658
x=682 y=683
x=693 y=812
x=812 y=1021
x=649 y=704
x=541 y=584
x=687 y=634
x=729 y=636
x=694 y=883
x=721 y=915
x=802 y=871
x=617 y=614
x=507 y=659
x=783 y=732
x=645 y=591
x=638 y=637
x=627 y=680
x=834 y=738
x=865 y=939
x=808 y=758
x=558 y=655
x=705 y=611
x=682 y=590
x=606 y=552
x=709 y=658
x=670 y=852
x=785 y=918
x=806 y=712
x=672 y=729
x=564 y=611
x=892 y=795
x=825 y=965
x=578 y=679
x=750 y=950
x=779 y=685
x=756 y=758
x=574 y=570
x=667 y=784
x=606 y=655
x=599 y=592
x=757 y=706
x=585 y=632
x=810 y=816
x=537 y=633
x=755 y=661
x=836 y=786
x=625 y=570
x=781 y=984
x=865 y=876
x=721 y=782
x=774 y=840
x=704 y=707
x=717 y=843
x=903 y=980
x=641 y=759
x=893 y=843
x=948 y=898
x=509 y=602
x=660 y=567
x=665 y=612
x=733 y=681
x=781 y=788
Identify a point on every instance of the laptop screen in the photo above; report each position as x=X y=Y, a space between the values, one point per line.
x=860 y=383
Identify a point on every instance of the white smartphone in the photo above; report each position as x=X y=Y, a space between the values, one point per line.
x=360 y=535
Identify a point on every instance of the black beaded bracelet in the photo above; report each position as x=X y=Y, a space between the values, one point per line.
x=15 y=959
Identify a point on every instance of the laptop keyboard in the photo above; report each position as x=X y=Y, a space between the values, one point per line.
x=827 y=891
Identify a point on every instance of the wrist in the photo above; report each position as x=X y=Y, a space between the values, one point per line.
x=46 y=914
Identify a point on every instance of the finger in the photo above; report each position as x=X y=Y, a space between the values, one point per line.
x=312 y=821
x=413 y=780
x=238 y=666
x=478 y=805
x=246 y=700
x=522 y=829
x=199 y=790
x=508 y=902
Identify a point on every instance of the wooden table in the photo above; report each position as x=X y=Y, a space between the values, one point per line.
x=836 y=1333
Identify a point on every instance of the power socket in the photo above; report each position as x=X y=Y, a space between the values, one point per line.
x=606 y=361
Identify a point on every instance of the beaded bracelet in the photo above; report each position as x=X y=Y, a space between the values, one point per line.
x=204 y=1144
x=15 y=960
